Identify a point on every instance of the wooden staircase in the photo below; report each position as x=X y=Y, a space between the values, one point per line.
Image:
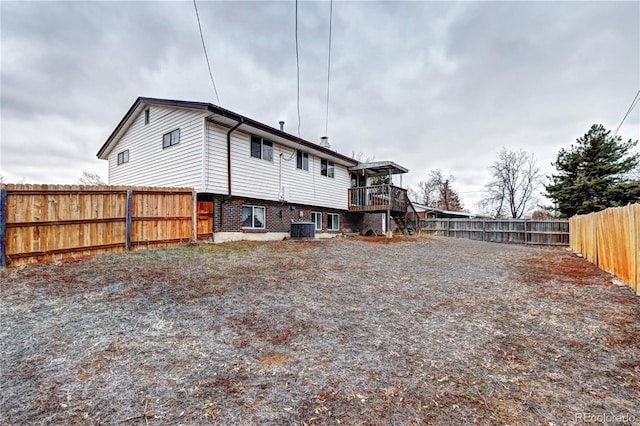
x=408 y=222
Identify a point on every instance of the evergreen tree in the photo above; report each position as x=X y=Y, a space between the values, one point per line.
x=594 y=174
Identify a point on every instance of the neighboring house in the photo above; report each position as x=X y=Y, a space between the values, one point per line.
x=252 y=180
x=425 y=212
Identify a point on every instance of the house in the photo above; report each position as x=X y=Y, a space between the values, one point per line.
x=252 y=180
x=425 y=212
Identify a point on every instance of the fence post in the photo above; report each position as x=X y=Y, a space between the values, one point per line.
x=448 y=227
x=128 y=222
x=194 y=216
x=3 y=228
x=484 y=229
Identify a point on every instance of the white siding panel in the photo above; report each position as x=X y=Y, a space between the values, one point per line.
x=256 y=178
x=151 y=165
x=216 y=154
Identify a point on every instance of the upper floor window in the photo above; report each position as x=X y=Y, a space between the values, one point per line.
x=147 y=116
x=123 y=157
x=303 y=160
x=171 y=139
x=327 y=168
x=261 y=148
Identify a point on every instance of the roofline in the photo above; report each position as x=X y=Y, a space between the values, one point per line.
x=204 y=106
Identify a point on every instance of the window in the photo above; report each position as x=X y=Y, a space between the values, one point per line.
x=327 y=168
x=317 y=219
x=261 y=148
x=333 y=224
x=123 y=157
x=147 y=116
x=253 y=217
x=171 y=139
x=303 y=160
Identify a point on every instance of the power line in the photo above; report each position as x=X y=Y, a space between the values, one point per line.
x=297 y=70
x=215 y=90
x=326 y=127
x=634 y=102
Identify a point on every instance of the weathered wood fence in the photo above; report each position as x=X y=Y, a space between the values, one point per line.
x=42 y=223
x=611 y=240
x=541 y=232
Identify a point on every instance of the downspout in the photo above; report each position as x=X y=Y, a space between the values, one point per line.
x=229 y=155
x=222 y=202
x=205 y=163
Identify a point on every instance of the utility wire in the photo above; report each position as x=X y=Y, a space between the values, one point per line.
x=634 y=102
x=326 y=126
x=297 y=70
x=215 y=90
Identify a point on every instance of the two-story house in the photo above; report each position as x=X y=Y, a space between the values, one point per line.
x=256 y=179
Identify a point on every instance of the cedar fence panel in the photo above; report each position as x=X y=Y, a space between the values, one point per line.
x=536 y=232
x=204 y=219
x=44 y=223
x=611 y=240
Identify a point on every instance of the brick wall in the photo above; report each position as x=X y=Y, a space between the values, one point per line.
x=227 y=214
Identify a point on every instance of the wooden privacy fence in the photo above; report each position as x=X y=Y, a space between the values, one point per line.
x=542 y=232
x=41 y=223
x=611 y=240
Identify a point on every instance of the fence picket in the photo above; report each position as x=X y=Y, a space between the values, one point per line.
x=541 y=232
x=611 y=240
x=47 y=222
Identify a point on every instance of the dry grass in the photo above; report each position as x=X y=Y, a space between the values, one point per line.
x=351 y=331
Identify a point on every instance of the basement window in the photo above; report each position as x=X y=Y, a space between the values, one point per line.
x=171 y=139
x=317 y=219
x=253 y=217
x=327 y=168
x=261 y=148
x=123 y=157
x=303 y=160
x=333 y=222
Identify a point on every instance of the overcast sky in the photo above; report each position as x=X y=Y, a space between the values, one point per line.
x=428 y=85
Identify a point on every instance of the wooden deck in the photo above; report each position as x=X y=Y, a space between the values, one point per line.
x=378 y=198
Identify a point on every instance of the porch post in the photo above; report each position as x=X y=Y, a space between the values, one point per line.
x=389 y=195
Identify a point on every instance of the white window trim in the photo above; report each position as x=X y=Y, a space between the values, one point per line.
x=171 y=138
x=262 y=141
x=124 y=154
x=264 y=224
x=313 y=215
x=330 y=222
x=330 y=166
x=298 y=152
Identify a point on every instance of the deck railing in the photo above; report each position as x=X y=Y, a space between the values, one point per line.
x=377 y=198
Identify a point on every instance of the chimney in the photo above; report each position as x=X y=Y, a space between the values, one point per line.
x=324 y=141
x=281 y=123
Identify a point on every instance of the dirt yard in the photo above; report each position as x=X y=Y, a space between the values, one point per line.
x=348 y=331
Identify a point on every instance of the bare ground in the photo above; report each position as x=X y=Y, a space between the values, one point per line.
x=349 y=331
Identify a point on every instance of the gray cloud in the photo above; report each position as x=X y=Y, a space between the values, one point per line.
x=426 y=84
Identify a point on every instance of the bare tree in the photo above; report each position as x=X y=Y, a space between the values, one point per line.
x=438 y=192
x=1 y=179
x=360 y=157
x=515 y=180
x=90 y=178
